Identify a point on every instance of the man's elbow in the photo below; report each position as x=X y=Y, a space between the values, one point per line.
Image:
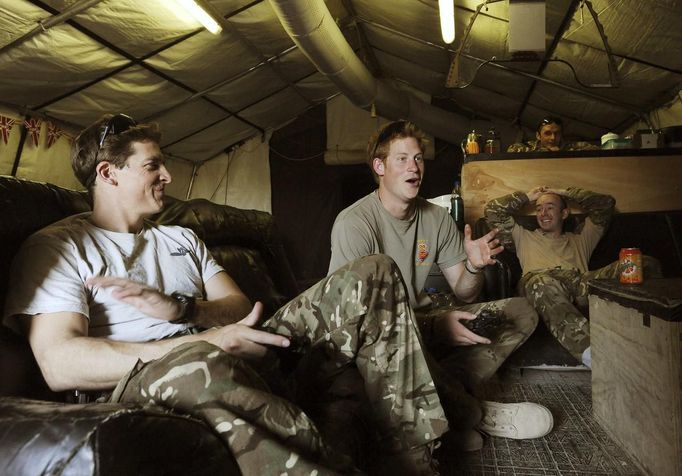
x=466 y=297
x=54 y=371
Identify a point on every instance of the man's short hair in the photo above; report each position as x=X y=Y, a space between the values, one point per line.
x=549 y=120
x=380 y=142
x=100 y=142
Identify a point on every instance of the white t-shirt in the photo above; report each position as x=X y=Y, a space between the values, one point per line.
x=49 y=272
x=429 y=236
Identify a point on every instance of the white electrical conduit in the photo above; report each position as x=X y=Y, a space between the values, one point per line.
x=313 y=29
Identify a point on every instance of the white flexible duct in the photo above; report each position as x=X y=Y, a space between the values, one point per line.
x=313 y=29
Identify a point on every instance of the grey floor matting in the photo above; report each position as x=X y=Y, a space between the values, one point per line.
x=577 y=445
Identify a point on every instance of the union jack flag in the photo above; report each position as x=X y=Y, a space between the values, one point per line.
x=6 y=124
x=53 y=133
x=33 y=128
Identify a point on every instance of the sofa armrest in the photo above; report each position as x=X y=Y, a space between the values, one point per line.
x=497 y=281
x=41 y=437
x=500 y=278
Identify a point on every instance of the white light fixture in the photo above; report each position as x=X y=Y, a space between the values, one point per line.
x=447 y=20
x=200 y=15
x=526 y=25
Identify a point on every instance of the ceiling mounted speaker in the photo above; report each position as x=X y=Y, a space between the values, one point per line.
x=526 y=25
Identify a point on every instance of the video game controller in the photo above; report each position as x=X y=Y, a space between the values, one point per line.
x=289 y=356
x=487 y=324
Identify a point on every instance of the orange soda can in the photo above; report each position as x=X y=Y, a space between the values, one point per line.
x=630 y=266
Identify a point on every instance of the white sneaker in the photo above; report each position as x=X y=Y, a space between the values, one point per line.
x=587 y=357
x=519 y=421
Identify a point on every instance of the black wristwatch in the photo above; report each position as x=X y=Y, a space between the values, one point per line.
x=188 y=303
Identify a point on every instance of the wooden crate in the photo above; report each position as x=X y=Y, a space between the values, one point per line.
x=636 y=371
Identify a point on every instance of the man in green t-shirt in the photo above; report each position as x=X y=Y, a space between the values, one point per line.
x=395 y=221
x=554 y=263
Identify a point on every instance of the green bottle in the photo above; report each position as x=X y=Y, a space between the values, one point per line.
x=457 y=207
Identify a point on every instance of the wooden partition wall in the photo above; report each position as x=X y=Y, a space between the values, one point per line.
x=640 y=183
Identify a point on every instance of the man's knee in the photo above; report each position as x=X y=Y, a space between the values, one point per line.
x=521 y=311
x=544 y=288
x=372 y=264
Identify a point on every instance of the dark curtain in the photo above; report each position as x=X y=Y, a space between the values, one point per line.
x=307 y=194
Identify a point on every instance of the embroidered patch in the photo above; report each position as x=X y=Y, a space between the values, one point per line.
x=422 y=250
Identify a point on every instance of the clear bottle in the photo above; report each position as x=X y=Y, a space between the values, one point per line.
x=492 y=142
x=457 y=206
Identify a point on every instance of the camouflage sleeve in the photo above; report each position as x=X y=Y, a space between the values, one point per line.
x=599 y=207
x=499 y=213
x=519 y=147
x=582 y=145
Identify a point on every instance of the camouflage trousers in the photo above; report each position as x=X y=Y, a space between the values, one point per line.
x=459 y=370
x=358 y=315
x=555 y=292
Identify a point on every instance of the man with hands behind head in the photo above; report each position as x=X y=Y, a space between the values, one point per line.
x=110 y=301
x=394 y=220
x=554 y=262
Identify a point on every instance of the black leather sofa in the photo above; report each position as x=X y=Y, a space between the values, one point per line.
x=39 y=433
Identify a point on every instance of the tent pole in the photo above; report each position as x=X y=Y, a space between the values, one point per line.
x=54 y=20
x=191 y=181
x=20 y=150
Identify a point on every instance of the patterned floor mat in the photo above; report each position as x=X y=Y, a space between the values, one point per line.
x=577 y=445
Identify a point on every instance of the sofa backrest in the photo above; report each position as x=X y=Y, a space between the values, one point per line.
x=245 y=242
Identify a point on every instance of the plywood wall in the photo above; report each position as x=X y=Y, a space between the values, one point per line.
x=639 y=183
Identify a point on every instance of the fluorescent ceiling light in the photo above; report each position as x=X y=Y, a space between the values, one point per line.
x=200 y=15
x=447 y=20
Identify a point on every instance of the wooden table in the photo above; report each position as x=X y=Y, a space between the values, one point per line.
x=636 y=333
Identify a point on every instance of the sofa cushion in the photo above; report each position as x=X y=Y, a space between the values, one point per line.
x=106 y=439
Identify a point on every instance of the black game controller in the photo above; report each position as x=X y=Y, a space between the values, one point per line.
x=486 y=324
x=289 y=356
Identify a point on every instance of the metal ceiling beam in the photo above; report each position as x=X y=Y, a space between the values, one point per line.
x=220 y=84
x=55 y=20
x=552 y=48
x=626 y=57
x=366 y=48
x=269 y=62
x=661 y=100
x=627 y=107
x=240 y=110
x=132 y=61
x=473 y=113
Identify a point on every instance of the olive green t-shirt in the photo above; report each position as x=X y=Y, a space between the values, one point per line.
x=429 y=236
x=537 y=250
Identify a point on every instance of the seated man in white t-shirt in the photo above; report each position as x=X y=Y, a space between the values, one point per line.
x=394 y=220
x=111 y=302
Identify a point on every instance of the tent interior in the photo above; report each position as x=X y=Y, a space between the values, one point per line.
x=274 y=112
x=288 y=91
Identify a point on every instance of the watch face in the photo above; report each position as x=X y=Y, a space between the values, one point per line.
x=187 y=307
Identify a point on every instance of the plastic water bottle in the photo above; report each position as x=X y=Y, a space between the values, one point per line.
x=457 y=207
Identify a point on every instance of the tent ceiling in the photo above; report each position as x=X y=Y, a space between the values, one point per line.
x=210 y=92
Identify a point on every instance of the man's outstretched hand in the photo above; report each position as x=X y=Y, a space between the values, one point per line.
x=242 y=340
x=481 y=252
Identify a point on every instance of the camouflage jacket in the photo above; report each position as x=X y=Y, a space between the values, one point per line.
x=499 y=212
x=534 y=146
